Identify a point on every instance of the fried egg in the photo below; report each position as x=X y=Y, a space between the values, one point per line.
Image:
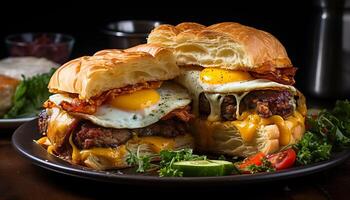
x=136 y=110
x=216 y=80
x=217 y=83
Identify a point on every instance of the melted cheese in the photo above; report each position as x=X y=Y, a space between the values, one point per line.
x=285 y=132
x=113 y=155
x=75 y=151
x=59 y=126
x=249 y=123
x=157 y=143
x=248 y=126
x=238 y=102
x=50 y=149
x=215 y=101
x=45 y=142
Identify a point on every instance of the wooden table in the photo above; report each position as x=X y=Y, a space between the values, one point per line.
x=19 y=179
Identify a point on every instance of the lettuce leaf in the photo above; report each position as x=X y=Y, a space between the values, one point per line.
x=328 y=131
x=29 y=96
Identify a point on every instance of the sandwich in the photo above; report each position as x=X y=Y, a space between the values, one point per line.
x=241 y=81
x=7 y=90
x=113 y=104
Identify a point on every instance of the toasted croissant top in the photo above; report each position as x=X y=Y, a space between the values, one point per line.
x=226 y=45
x=89 y=76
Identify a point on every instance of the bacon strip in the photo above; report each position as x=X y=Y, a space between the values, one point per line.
x=280 y=75
x=79 y=106
x=183 y=114
x=126 y=90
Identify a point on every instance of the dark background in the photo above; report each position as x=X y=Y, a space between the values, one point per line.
x=290 y=21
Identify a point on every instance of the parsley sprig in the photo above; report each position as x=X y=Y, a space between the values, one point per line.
x=327 y=131
x=143 y=162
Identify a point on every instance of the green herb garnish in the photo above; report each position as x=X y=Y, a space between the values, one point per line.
x=30 y=95
x=143 y=162
x=327 y=131
x=312 y=148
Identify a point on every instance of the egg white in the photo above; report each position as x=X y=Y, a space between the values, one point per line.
x=191 y=79
x=243 y=86
x=172 y=96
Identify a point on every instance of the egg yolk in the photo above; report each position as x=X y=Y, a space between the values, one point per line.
x=135 y=101
x=220 y=76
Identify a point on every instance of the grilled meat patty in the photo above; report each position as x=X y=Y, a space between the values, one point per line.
x=164 y=128
x=266 y=103
x=88 y=135
x=270 y=102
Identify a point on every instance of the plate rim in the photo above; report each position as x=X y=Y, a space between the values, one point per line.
x=103 y=176
x=16 y=120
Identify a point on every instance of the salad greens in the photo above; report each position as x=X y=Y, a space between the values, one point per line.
x=312 y=148
x=29 y=96
x=168 y=158
x=327 y=131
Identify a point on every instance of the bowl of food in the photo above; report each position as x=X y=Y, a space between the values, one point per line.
x=53 y=46
x=127 y=33
x=23 y=88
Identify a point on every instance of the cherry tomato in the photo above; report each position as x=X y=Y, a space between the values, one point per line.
x=251 y=160
x=282 y=160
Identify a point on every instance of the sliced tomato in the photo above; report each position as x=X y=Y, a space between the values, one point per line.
x=282 y=160
x=255 y=159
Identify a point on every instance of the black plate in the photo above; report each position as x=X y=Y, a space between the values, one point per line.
x=23 y=138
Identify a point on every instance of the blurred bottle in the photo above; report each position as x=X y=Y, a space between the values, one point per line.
x=329 y=68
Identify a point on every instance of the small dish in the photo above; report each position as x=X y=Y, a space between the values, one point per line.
x=56 y=47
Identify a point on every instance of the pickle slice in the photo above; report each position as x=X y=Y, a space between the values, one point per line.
x=229 y=168
x=204 y=167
